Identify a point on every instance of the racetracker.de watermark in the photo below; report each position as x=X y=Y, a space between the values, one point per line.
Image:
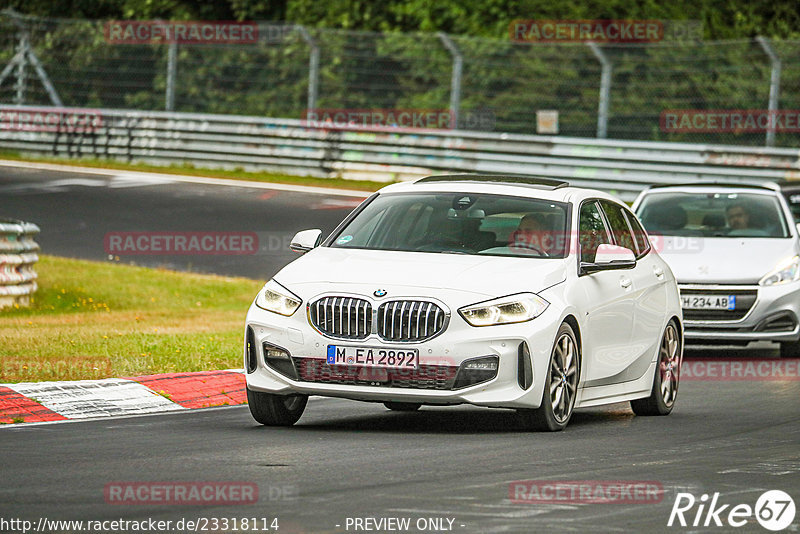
x=19 y=368
x=50 y=119
x=180 y=243
x=759 y=370
x=729 y=121
x=379 y=118
x=604 y=31
x=586 y=491
x=180 y=32
x=181 y=493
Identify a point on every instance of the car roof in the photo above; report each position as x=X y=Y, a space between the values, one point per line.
x=503 y=184
x=769 y=186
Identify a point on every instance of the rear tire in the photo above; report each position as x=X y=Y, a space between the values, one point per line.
x=790 y=349
x=276 y=410
x=560 y=388
x=667 y=376
x=402 y=406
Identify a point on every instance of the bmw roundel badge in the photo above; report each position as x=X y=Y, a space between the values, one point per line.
x=380 y=293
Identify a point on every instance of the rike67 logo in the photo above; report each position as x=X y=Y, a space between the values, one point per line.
x=774 y=510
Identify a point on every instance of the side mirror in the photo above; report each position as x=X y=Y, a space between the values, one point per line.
x=305 y=240
x=610 y=257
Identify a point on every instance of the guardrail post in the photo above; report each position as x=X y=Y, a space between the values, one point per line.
x=313 y=67
x=605 y=90
x=455 y=77
x=774 y=86
x=172 y=67
x=17 y=257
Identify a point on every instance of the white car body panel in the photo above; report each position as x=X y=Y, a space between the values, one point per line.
x=620 y=328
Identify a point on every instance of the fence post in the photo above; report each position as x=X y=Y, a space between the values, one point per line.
x=172 y=67
x=22 y=54
x=313 y=68
x=605 y=90
x=455 y=78
x=774 y=86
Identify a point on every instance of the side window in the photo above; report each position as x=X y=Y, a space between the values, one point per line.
x=592 y=231
x=619 y=225
x=639 y=235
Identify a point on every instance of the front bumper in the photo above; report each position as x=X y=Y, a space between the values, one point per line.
x=438 y=356
x=773 y=316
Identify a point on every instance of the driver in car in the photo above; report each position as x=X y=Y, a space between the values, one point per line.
x=738 y=216
x=531 y=236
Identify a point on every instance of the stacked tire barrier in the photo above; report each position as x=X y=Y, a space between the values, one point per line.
x=18 y=254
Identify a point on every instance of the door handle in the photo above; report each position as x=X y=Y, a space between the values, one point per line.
x=625 y=282
x=659 y=272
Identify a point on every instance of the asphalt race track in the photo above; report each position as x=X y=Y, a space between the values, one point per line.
x=356 y=460
x=347 y=459
x=77 y=211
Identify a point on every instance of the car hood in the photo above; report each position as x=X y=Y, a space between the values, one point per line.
x=723 y=260
x=325 y=268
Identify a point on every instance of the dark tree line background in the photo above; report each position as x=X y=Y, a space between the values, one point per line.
x=722 y=19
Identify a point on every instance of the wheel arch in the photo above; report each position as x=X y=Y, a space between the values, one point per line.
x=573 y=323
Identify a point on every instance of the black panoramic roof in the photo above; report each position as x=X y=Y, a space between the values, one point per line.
x=529 y=181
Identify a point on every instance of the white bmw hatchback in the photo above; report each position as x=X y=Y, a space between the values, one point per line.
x=507 y=292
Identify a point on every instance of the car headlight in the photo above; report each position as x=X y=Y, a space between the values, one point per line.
x=786 y=271
x=276 y=298
x=505 y=310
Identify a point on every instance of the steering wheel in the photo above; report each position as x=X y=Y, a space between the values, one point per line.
x=529 y=246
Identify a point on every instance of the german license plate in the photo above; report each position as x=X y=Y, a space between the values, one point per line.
x=708 y=302
x=373 y=357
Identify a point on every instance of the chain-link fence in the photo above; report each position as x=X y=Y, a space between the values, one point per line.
x=605 y=90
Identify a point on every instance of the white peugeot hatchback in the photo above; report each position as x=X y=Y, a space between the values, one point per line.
x=498 y=291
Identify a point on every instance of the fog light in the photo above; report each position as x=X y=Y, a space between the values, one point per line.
x=276 y=353
x=279 y=360
x=481 y=365
x=475 y=371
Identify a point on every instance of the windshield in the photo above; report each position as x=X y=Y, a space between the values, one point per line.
x=720 y=214
x=459 y=223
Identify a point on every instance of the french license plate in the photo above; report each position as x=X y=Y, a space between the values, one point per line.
x=708 y=302
x=373 y=357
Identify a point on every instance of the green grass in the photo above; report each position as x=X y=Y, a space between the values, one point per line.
x=96 y=320
x=191 y=170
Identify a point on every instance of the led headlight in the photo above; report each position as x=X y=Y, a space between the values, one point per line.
x=511 y=309
x=276 y=298
x=786 y=271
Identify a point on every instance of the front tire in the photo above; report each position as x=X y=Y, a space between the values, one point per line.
x=665 y=383
x=561 y=386
x=276 y=410
x=402 y=406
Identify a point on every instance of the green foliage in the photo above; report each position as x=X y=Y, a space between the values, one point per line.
x=407 y=66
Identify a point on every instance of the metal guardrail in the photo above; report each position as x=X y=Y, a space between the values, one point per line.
x=296 y=147
x=17 y=257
